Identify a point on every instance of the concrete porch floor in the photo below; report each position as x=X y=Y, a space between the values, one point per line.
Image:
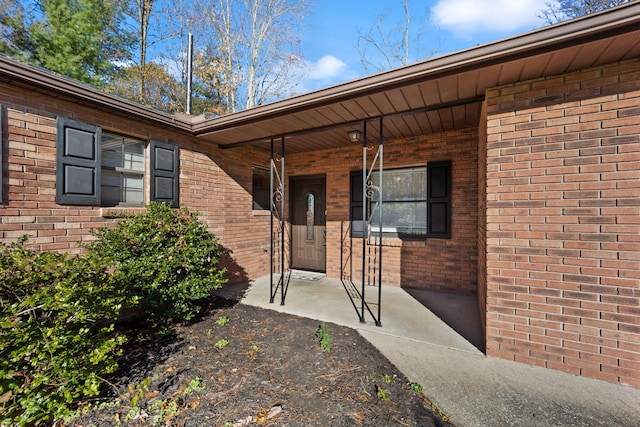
x=474 y=390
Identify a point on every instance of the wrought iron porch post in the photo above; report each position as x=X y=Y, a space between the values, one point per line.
x=381 y=151
x=277 y=204
x=271 y=210
x=365 y=217
x=283 y=227
x=370 y=208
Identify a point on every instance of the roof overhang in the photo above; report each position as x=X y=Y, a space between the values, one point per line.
x=443 y=93
x=439 y=94
x=46 y=82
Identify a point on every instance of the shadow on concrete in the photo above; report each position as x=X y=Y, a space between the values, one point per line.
x=459 y=312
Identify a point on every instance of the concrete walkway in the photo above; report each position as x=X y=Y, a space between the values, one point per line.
x=474 y=390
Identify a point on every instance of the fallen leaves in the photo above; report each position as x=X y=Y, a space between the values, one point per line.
x=271 y=363
x=260 y=419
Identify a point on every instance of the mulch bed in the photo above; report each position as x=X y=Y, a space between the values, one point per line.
x=261 y=367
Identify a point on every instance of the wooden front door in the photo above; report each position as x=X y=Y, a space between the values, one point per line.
x=308 y=225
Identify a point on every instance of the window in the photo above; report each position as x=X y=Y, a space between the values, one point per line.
x=357 y=229
x=261 y=188
x=122 y=170
x=415 y=201
x=97 y=168
x=404 y=201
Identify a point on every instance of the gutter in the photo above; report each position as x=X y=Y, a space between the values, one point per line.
x=39 y=79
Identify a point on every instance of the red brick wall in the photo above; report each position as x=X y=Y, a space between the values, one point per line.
x=213 y=182
x=482 y=217
x=437 y=264
x=563 y=222
x=217 y=184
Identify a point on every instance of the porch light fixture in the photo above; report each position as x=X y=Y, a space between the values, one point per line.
x=354 y=135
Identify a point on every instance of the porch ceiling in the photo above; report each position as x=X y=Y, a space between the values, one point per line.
x=439 y=94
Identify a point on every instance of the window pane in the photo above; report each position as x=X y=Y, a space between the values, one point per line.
x=261 y=189
x=132 y=189
x=402 y=184
x=111 y=150
x=134 y=155
x=119 y=155
x=110 y=187
x=402 y=217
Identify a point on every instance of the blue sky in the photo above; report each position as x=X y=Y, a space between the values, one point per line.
x=329 y=42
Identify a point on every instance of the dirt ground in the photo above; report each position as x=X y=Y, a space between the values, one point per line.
x=240 y=365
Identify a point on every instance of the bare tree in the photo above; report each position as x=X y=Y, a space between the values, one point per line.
x=384 y=47
x=270 y=48
x=569 y=9
x=228 y=49
x=249 y=49
x=217 y=62
x=153 y=22
x=140 y=11
x=144 y=12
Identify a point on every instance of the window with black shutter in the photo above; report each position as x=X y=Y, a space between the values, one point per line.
x=416 y=202
x=97 y=168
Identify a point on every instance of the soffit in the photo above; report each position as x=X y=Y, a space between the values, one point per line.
x=436 y=95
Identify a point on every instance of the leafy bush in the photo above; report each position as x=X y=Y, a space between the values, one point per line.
x=165 y=257
x=55 y=341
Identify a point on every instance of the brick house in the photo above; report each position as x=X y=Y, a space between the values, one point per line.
x=511 y=172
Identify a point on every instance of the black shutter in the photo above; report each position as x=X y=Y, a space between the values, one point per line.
x=439 y=199
x=1 y=147
x=165 y=174
x=77 y=163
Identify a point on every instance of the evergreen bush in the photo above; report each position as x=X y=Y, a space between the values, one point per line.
x=56 y=339
x=163 y=256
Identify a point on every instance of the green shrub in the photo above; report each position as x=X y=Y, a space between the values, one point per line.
x=165 y=257
x=55 y=339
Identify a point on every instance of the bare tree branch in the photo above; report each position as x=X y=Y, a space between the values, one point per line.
x=382 y=47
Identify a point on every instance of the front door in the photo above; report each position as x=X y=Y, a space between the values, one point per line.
x=308 y=225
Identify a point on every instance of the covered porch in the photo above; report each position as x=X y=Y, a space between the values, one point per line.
x=436 y=318
x=490 y=113
x=433 y=111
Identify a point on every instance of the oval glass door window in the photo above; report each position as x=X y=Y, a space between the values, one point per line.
x=311 y=208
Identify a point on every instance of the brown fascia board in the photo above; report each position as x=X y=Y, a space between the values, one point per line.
x=618 y=20
x=41 y=80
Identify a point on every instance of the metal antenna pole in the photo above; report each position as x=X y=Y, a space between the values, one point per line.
x=189 y=70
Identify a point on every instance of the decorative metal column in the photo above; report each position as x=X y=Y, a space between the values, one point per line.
x=279 y=260
x=372 y=243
